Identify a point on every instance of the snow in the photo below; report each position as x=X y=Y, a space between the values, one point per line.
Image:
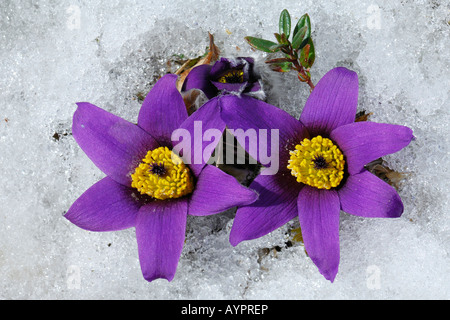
x=56 y=53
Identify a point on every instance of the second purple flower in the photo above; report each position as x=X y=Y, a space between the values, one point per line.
x=322 y=157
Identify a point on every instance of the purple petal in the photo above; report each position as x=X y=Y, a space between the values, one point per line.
x=332 y=103
x=199 y=78
x=163 y=110
x=318 y=213
x=221 y=66
x=252 y=115
x=368 y=196
x=160 y=233
x=363 y=142
x=215 y=191
x=253 y=86
x=196 y=147
x=115 y=145
x=276 y=205
x=106 y=206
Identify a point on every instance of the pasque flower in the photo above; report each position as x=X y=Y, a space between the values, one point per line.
x=227 y=74
x=322 y=158
x=147 y=186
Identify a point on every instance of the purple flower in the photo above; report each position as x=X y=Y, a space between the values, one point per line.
x=146 y=185
x=322 y=171
x=227 y=75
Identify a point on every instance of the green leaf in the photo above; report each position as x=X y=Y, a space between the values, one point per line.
x=281 y=66
x=312 y=53
x=298 y=37
x=277 y=47
x=279 y=38
x=308 y=55
x=304 y=21
x=285 y=23
x=262 y=44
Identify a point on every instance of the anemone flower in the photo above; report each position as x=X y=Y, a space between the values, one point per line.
x=226 y=75
x=147 y=186
x=322 y=158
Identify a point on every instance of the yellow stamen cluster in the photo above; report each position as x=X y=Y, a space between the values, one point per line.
x=172 y=180
x=232 y=76
x=318 y=163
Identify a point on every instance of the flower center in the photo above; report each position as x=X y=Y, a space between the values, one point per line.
x=232 y=76
x=162 y=175
x=318 y=163
x=158 y=169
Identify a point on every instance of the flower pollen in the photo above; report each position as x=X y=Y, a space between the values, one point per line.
x=162 y=175
x=318 y=163
x=232 y=76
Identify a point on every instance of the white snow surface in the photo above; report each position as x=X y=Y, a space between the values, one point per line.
x=56 y=53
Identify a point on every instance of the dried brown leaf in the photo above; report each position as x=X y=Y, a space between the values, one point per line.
x=362 y=116
x=212 y=56
x=382 y=171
